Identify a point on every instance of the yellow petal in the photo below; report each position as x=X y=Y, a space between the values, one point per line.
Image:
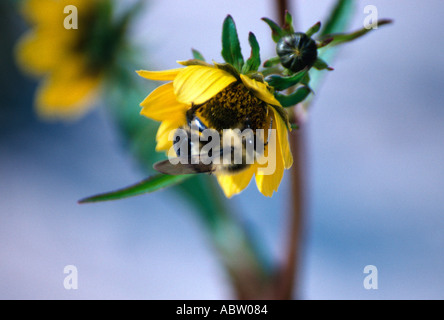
x=234 y=184
x=68 y=92
x=260 y=90
x=42 y=11
x=198 y=84
x=61 y=98
x=161 y=104
x=41 y=52
x=282 y=134
x=163 y=143
x=269 y=183
x=166 y=75
x=47 y=46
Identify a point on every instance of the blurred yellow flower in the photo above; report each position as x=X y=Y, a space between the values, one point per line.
x=68 y=61
x=201 y=83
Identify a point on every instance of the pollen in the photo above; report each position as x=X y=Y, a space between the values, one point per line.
x=234 y=107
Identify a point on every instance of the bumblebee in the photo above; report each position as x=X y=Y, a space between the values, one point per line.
x=238 y=125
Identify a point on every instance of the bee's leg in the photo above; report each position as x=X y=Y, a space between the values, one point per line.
x=271 y=128
x=233 y=167
x=255 y=140
x=178 y=143
x=199 y=124
x=189 y=116
x=194 y=122
x=176 y=146
x=247 y=123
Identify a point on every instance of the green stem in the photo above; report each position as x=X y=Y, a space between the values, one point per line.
x=248 y=267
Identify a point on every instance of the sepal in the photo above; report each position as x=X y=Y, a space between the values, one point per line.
x=231 y=50
x=292 y=99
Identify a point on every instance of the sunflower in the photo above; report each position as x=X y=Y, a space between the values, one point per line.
x=201 y=83
x=70 y=62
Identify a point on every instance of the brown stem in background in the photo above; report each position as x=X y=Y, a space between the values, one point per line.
x=289 y=272
x=287 y=278
x=281 y=7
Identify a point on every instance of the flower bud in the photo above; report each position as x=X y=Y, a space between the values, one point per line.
x=297 y=51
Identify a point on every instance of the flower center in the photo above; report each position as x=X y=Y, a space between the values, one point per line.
x=234 y=107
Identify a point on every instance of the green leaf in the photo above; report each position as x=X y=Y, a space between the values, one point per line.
x=272 y=62
x=149 y=185
x=343 y=38
x=288 y=24
x=321 y=65
x=306 y=79
x=197 y=55
x=231 y=50
x=340 y=17
x=314 y=29
x=254 y=61
x=258 y=76
x=282 y=83
x=276 y=32
x=228 y=68
x=324 y=42
x=194 y=62
x=337 y=22
x=292 y=99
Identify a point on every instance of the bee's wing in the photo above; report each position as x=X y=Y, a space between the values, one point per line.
x=191 y=165
x=167 y=167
